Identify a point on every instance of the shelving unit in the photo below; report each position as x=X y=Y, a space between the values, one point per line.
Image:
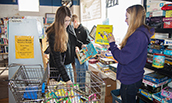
x=167 y=70
x=4 y=61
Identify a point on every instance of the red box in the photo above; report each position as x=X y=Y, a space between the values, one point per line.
x=167 y=22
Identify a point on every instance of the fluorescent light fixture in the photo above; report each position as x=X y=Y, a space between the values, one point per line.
x=28 y=5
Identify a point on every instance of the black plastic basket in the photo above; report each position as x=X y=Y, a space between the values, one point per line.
x=115 y=93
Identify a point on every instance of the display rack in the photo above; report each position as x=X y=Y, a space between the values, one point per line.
x=3 y=53
x=167 y=70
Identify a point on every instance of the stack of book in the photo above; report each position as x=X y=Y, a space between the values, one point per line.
x=153 y=83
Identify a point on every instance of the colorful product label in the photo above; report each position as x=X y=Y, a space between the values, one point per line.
x=158 y=61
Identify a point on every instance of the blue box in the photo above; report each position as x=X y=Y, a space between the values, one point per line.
x=115 y=99
x=155 y=77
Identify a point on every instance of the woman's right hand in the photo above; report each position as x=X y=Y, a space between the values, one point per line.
x=110 y=37
x=69 y=83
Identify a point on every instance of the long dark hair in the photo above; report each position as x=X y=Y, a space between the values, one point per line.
x=58 y=28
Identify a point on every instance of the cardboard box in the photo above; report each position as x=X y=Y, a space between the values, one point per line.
x=108 y=99
x=110 y=85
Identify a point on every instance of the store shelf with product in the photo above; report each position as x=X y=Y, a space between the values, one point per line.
x=3 y=47
x=157 y=51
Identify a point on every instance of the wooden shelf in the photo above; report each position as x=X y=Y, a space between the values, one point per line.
x=3 y=53
x=3 y=44
x=165 y=71
x=1 y=24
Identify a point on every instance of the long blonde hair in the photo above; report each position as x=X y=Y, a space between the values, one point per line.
x=58 y=28
x=137 y=18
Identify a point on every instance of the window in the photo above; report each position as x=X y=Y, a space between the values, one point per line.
x=28 y=5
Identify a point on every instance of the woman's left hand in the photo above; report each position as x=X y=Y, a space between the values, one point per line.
x=84 y=45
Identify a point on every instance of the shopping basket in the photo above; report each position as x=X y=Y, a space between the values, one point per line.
x=28 y=83
x=31 y=84
x=92 y=90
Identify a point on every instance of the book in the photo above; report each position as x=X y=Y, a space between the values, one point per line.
x=102 y=32
x=155 y=77
x=156 y=84
x=86 y=53
x=161 y=98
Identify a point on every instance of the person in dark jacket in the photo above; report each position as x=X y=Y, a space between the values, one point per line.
x=58 y=40
x=70 y=53
x=132 y=54
x=82 y=35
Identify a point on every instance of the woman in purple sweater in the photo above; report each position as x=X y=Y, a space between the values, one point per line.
x=132 y=54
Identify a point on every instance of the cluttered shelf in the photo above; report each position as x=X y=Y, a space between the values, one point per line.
x=166 y=70
x=163 y=30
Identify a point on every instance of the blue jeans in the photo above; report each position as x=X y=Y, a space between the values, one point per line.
x=128 y=92
x=81 y=72
x=70 y=72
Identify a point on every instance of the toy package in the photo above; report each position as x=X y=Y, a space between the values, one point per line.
x=102 y=32
x=155 y=77
x=86 y=53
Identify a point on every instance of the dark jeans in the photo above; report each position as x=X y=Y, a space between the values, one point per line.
x=128 y=92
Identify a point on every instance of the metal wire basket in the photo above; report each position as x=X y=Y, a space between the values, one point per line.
x=31 y=83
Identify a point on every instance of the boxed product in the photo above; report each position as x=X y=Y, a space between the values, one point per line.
x=160 y=98
x=155 y=5
x=113 y=67
x=168 y=52
x=157 y=41
x=167 y=22
x=168 y=13
x=155 y=22
x=158 y=13
x=168 y=61
x=154 y=50
x=155 y=77
x=167 y=41
x=155 y=85
x=106 y=61
x=146 y=94
x=167 y=92
x=104 y=68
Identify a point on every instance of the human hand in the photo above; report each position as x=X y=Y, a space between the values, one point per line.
x=69 y=83
x=76 y=49
x=84 y=45
x=110 y=37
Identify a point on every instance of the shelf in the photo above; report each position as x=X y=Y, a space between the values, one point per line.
x=167 y=70
x=3 y=53
x=1 y=24
x=3 y=44
x=145 y=99
x=163 y=30
x=1 y=33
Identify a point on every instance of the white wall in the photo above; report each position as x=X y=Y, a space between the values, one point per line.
x=117 y=17
x=12 y=11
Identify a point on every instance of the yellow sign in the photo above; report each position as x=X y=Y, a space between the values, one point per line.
x=102 y=32
x=24 y=47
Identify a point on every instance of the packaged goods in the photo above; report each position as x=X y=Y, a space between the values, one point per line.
x=158 y=60
x=155 y=77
